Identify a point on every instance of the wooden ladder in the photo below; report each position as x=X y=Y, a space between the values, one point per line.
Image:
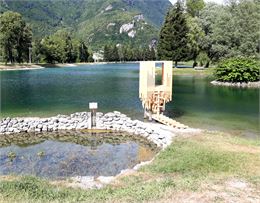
x=158 y=102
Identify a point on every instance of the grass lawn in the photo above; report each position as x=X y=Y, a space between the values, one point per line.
x=192 y=71
x=210 y=167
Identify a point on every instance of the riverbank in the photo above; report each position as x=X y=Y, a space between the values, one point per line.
x=237 y=84
x=8 y=67
x=20 y=67
x=206 y=167
x=40 y=66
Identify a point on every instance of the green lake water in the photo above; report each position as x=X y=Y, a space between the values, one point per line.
x=47 y=92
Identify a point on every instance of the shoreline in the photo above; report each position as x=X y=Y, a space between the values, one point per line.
x=9 y=67
x=237 y=84
x=159 y=134
x=20 y=67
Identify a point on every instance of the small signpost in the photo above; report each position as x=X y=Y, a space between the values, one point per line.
x=93 y=110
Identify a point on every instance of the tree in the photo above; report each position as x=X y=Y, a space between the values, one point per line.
x=173 y=39
x=246 y=21
x=24 y=42
x=231 y=30
x=152 y=54
x=83 y=52
x=36 y=51
x=148 y=54
x=107 y=53
x=114 y=53
x=51 y=50
x=60 y=47
x=207 y=19
x=111 y=53
x=15 y=37
x=194 y=7
x=195 y=36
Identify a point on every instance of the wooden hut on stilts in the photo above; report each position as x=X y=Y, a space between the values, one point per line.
x=155 y=96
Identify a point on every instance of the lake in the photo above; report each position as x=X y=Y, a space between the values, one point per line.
x=196 y=103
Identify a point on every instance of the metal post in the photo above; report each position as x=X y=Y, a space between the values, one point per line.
x=93 y=111
x=93 y=117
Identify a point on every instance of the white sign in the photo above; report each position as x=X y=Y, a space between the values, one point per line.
x=93 y=105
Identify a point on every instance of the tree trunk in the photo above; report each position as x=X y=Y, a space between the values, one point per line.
x=194 y=64
x=10 y=55
x=207 y=64
x=176 y=63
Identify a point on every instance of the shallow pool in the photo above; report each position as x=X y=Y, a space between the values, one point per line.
x=69 y=154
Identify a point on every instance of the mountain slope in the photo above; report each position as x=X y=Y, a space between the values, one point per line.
x=97 y=22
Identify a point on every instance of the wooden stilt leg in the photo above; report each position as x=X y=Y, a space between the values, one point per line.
x=150 y=116
x=145 y=114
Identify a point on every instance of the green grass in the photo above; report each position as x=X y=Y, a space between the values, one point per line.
x=190 y=158
x=183 y=166
x=36 y=190
x=207 y=72
x=192 y=71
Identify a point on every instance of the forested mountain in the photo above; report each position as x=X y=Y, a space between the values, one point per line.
x=97 y=22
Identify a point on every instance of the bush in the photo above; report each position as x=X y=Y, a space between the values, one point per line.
x=238 y=70
x=203 y=59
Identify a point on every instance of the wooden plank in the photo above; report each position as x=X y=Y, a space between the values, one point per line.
x=168 y=121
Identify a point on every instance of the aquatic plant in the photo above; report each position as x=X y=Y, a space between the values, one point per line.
x=41 y=154
x=11 y=155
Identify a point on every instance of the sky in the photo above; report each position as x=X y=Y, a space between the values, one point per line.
x=217 y=1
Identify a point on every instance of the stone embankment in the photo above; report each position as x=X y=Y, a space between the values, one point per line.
x=115 y=121
x=237 y=84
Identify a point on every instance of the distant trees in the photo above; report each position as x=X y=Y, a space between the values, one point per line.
x=231 y=30
x=111 y=53
x=15 y=37
x=61 y=48
x=127 y=53
x=210 y=32
x=83 y=52
x=199 y=32
x=173 y=39
x=16 y=43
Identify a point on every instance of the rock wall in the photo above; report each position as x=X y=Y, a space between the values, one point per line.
x=237 y=84
x=115 y=121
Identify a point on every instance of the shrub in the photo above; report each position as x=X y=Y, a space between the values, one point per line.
x=238 y=70
x=203 y=59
